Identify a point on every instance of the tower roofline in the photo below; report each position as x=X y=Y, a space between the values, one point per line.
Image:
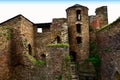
x=76 y=6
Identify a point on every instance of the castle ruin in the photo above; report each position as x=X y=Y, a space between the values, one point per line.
x=79 y=47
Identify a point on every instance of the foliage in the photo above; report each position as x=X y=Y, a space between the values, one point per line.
x=60 y=77
x=7 y=35
x=34 y=60
x=95 y=59
x=59 y=45
x=106 y=26
x=6 y=32
x=67 y=57
x=7 y=27
x=93 y=47
x=90 y=28
x=107 y=49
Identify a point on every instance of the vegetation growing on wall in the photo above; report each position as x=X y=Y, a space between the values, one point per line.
x=90 y=28
x=7 y=32
x=34 y=60
x=59 y=45
x=67 y=57
x=106 y=26
x=94 y=57
x=66 y=67
x=107 y=49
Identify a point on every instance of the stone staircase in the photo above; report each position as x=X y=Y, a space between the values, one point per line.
x=73 y=71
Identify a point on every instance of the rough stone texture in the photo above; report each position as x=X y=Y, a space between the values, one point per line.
x=59 y=29
x=108 y=40
x=5 y=42
x=25 y=40
x=44 y=26
x=94 y=22
x=56 y=59
x=102 y=15
x=22 y=35
x=81 y=49
x=42 y=41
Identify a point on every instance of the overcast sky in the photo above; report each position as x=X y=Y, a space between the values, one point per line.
x=41 y=11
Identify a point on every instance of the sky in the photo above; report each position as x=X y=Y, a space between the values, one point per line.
x=42 y=11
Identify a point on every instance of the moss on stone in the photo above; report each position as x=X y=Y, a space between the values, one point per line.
x=106 y=26
x=6 y=32
x=107 y=49
x=59 y=45
x=34 y=60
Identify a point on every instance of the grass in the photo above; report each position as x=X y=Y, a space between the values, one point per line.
x=34 y=60
x=59 y=45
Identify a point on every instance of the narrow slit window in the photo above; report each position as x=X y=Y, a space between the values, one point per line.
x=79 y=40
x=30 y=49
x=78 y=13
x=78 y=28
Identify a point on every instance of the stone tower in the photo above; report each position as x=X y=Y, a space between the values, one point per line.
x=102 y=15
x=78 y=28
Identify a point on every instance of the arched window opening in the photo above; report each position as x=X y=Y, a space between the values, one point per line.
x=29 y=49
x=79 y=40
x=73 y=56
x=78 y=28
x=43 y=56
x=58 y=39
x=78 y=14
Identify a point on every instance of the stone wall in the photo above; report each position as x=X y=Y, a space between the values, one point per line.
x=102 y=15
x=59 y=30
x=5 y=60
x=109 y=42
x=41 y=42
x=56 y=61
x=22 y=42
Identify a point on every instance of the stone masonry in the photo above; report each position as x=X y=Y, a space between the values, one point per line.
x=61 y=50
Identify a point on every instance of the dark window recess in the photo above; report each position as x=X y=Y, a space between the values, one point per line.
x=79 y=40
x=43 y=56
x=78 y=28
x=58 y=39
x=78 y=14
x=30 y=49
x=73 y=56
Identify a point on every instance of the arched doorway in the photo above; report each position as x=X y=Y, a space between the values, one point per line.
x=117 y=76
x=58 y=39
x=73 y=56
